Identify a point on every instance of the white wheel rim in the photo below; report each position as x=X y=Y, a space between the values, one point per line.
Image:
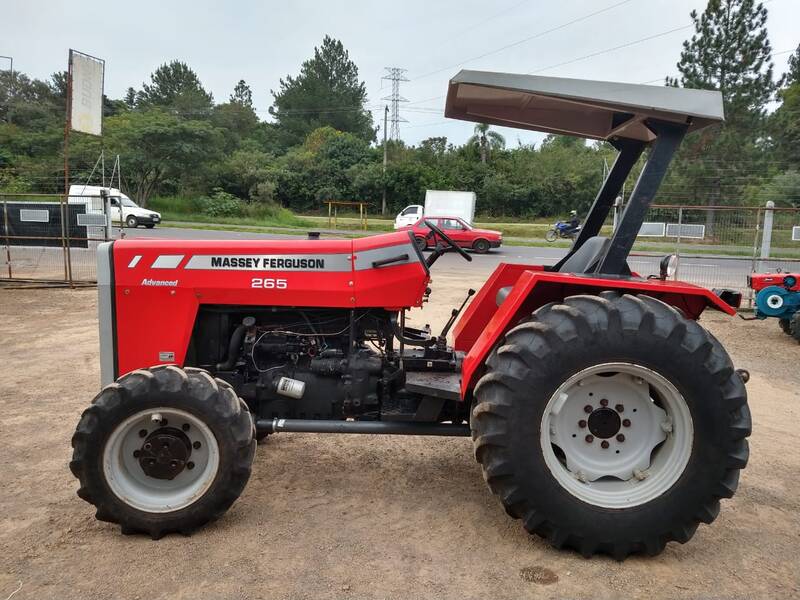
x=652 y=417
x=133 y=486
x=774 y=301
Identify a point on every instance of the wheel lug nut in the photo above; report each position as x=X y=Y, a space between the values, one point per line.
x=196 y=445
x=143 y=433
x=148 y=445
x=604 y=444
x=587 y=409
x=185 y=427
x=190 y=465
x=589 y=439
x=619 y=408
x=626 y=422
x=582 y=424
x=620 y=437
x=603 y=402
x=136 y=454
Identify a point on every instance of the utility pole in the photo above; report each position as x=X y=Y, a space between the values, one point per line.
x=395 y=75
x=385 y=120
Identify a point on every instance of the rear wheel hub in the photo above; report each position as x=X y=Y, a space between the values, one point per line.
x=604 y=423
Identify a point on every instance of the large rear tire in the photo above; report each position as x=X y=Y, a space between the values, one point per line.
x=163 y=450
x=611 y=424
x=794 y=326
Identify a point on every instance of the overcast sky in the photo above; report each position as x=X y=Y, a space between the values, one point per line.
x=264 y=41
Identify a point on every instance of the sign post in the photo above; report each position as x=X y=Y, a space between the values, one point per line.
x=85 y=81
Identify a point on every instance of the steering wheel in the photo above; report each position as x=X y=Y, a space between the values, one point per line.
x=451 y=243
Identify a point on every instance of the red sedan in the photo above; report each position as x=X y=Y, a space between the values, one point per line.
x=461 y=232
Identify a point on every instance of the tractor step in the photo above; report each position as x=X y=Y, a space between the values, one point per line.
x=434 y=383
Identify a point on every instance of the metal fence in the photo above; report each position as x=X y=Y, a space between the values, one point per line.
x=51 y=238
x=718 y=246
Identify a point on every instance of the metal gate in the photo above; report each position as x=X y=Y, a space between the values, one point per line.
x=51 y=238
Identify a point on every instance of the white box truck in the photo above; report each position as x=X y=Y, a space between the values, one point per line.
x=439 y=203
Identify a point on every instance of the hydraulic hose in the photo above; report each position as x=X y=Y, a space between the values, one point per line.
x=234 y=347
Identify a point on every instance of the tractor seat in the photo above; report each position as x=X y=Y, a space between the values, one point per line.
x=583 y=261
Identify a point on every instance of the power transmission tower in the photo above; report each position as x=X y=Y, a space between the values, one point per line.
x=395 y=75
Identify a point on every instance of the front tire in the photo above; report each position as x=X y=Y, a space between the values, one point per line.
x=132 y=222
x=422 y=243
x=163 y=450
x=551 y=235
x=557 y=392
x=150 y=225
x=481 y=246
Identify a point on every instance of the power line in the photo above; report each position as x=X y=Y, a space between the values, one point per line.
x=522 y=41
x=395 y=75
x=591 y=55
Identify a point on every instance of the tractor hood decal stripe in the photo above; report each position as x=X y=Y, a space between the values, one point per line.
x=270 y=262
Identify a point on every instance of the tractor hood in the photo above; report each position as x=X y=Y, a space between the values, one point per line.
x=599 y=110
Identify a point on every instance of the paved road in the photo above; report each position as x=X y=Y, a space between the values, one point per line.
x=710 y=271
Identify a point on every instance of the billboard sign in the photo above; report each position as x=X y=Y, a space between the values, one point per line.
x=86 y=93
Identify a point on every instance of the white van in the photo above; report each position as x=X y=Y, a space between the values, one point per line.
x=408 y=216
x=122 y=208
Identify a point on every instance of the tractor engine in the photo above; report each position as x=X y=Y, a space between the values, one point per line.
x=302 y=363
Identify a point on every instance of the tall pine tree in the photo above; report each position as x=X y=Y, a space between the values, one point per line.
x=326 y=92
x=242 y=94
x=729 y=52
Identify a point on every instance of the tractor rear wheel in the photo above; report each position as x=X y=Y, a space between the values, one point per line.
x=611 y=424
x=794 y=326
x=163 y=450
x=786 y=326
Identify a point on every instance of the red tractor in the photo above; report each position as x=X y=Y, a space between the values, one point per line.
x=604 y=417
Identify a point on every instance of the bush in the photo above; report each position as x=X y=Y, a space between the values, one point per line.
x=221 y=204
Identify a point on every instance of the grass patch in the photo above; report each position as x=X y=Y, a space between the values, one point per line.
x=190 y=209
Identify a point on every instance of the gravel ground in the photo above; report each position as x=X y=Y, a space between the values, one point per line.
x=360 y=516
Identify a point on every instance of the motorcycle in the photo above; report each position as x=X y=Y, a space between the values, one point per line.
x=562 y=230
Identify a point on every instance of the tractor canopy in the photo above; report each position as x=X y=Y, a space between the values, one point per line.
x=630 y=117
x=599 y=110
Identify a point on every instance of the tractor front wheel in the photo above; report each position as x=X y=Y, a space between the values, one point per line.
x=163 y=450
x=611 y=424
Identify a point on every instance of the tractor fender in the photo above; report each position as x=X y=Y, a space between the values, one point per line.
x=484 y=323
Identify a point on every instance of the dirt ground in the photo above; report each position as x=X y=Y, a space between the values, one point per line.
x=360 y=516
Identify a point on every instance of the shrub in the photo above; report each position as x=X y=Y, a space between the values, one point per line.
x=221 y=204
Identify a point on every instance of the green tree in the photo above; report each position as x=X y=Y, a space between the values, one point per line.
x=486 y=141
x=130 y=98
x=156 y=146
x=729 y=51
x=242 y=95
x=326 y=92
x=785 y=126
x=792 y=75
x=175 y=86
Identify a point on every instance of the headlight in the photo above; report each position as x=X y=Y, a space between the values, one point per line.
x=668 y=265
